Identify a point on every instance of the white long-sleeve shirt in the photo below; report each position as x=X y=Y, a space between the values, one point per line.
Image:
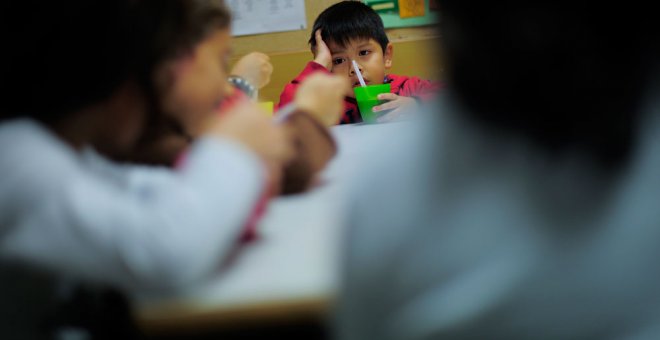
x=135 y=227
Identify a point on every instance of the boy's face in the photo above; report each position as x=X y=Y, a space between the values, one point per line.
x=370 y=57
x=193 y=85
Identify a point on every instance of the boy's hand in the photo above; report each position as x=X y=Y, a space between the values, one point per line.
x=246 y=124
x=322 y=96
x=322 y=55
x=254 y=67
x=397 y=104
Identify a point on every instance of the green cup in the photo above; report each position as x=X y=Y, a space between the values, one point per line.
x=367 y=98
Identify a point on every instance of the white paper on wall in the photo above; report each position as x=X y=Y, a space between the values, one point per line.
x=266 y=16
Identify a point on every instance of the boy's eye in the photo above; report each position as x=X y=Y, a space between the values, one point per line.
x=337 y=61
x=364 y=52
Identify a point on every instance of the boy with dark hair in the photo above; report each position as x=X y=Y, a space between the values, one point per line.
x=351 y=30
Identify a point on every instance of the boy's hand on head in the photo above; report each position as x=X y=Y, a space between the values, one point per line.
x=248 y=125
x=254 y=67
x=322 y=55
x=322 y=96
x=397 y=104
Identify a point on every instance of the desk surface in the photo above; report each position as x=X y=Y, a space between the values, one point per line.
x=290 y=271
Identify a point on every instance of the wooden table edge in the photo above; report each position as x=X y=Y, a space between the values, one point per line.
x=182 y=318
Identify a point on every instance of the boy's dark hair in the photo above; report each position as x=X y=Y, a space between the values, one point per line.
x=62 y=56
x=349 y=20
x=566 y=78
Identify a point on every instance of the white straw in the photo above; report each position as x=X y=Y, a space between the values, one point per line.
x=359 y=74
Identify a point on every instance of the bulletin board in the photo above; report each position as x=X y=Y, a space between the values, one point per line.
x=402 y=13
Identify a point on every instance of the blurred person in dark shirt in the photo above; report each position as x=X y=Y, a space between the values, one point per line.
x=524 y=205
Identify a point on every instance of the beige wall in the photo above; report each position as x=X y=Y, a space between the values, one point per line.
x=413 y=51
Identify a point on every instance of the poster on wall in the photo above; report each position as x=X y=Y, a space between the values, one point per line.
x=405 y=13
x=266 y=16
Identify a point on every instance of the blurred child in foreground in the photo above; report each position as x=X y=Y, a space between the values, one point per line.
x=526 y=204
x=105 y=68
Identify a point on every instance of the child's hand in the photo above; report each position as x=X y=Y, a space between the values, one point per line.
x=254 y=67
x=322 y=55
x=397 y=104
x=246 y=124
x=322 y=96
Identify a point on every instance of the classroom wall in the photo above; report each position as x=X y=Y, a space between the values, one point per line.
x=414 y=51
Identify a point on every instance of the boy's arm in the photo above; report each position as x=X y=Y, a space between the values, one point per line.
x=322 y=62
x=157 y=230
x=407 y=95
x=421 y=89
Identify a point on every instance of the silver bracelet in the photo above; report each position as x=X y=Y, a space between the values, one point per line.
x=244 y=86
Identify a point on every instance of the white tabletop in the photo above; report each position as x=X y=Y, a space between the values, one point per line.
x=297 y=255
